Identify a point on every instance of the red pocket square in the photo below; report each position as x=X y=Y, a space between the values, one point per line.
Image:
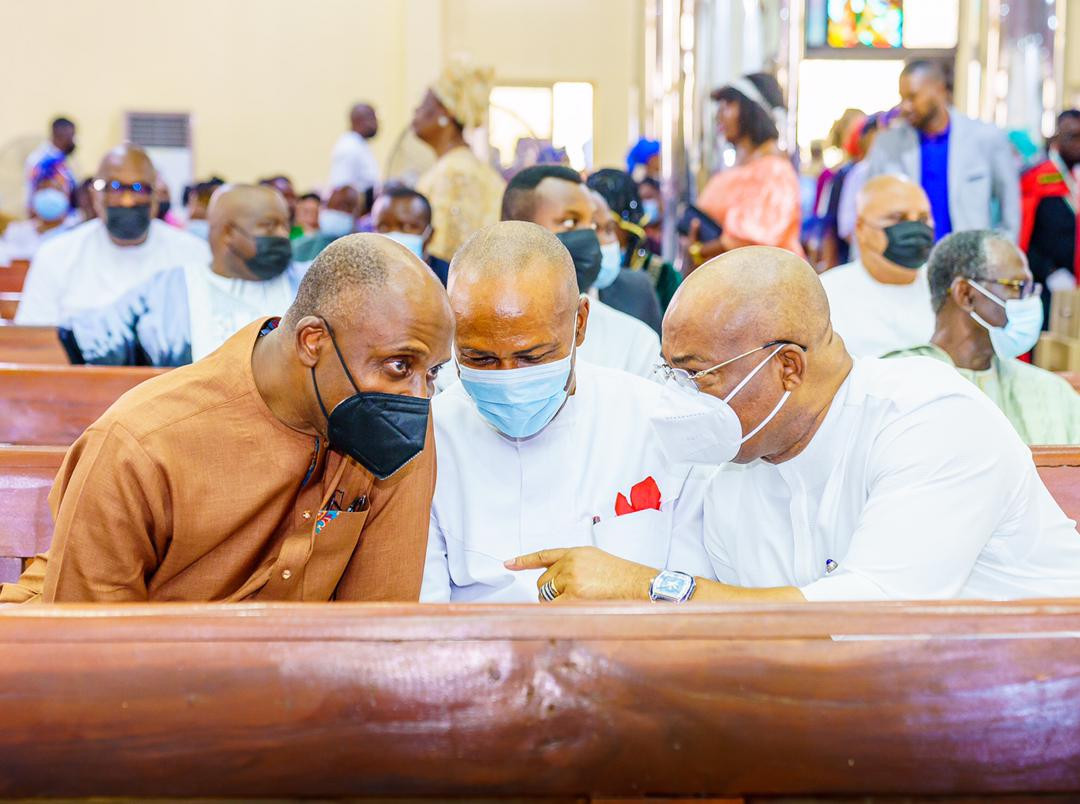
x=643 y=496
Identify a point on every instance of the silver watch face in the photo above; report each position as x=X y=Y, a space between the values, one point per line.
x=672 y=585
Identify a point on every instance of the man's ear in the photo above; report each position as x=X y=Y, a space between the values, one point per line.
x=962 y=295
x=792 y=367
x=311 y=336
x=582 y=320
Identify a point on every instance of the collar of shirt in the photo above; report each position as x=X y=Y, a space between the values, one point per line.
x=934 y=139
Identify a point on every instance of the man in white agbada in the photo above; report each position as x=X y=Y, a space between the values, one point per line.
x=881 y=302
x=352 y=164
x=856 y=480
x=183 y=314
x=101 y=259
x=537 y=448
x=554 y=197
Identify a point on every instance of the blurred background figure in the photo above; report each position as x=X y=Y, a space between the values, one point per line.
x=60 y=145
x=52 y=188
x=352 y=162
x=307 y=215
x=464 y=193
x=756 y=201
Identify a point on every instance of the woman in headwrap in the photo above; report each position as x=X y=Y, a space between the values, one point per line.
x=465 y=193
x=51 y=187
x=756 y=202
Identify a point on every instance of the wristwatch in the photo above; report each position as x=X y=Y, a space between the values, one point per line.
x=672 y=587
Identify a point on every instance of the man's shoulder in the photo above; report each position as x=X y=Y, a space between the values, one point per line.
x=1032 y=376
x=67 y=242
x=910 y=385
x=841 y=275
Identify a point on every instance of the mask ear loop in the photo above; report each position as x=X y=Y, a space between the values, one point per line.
x=340 y=357
x=750 y=376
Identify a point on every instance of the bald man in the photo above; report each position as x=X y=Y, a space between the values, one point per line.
x=538 y=448
x=294 y=463
x=852 y=480
x=95 y=263
x=881 y=302
x=352 y=163
x=183 y=314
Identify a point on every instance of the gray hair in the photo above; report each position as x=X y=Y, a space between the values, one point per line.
x=960 y=254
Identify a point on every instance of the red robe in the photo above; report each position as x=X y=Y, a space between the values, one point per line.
x=1042 y=181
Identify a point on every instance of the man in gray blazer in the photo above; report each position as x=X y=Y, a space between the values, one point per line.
x=965 y=166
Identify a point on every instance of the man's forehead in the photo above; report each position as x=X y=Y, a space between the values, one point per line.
x=896 y=199
x=128 y=168
x=1006 y=260
x=561 y=191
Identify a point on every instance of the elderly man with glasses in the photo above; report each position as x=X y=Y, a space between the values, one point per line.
x=96 y=262
x=989 y=313
x=860 y=479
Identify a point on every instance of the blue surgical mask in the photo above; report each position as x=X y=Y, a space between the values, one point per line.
x=413 y=242
x=610 y=265
x=200 y=227
x=49 y=204
x=519 y=402
x=1023 y=324
x=650 y=208
x=335 y=223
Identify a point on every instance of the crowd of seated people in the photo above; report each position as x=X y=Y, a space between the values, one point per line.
x=510 y=388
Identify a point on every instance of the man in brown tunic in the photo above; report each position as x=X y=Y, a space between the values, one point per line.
x=254 y=474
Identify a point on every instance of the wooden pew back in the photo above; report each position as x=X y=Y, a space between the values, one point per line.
x=52 y=405
x=1059 y=468
x=31 y=345
x=347 y=700
x=26 y=475
x=13 y=276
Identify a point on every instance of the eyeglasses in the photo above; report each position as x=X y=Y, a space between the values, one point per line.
x=139 y=188
x=1023 y=287
x=688 y=379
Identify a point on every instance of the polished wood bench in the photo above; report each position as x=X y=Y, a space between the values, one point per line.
x=9 y=304
x=573 y=702
x=12 y=277
x=26 y=476
x=1059 y=468
x=52 y=405
x=31 y=345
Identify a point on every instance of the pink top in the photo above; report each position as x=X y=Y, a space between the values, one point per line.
x=757 y=202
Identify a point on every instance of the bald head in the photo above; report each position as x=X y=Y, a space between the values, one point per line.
x=359 y=274
x=748 y=297
x=127 y=163
x=363 y=120
x=759 y=308
x=882 y=203
x=239 y=214
x=513 y=290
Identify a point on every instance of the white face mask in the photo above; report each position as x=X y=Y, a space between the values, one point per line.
x=714 y=434
x=1023 y=324
x=335 y=223
x=413 y=242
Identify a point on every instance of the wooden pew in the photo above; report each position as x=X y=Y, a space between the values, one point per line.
x=37 y=345
x=573 y=702
x=9 y=303
x=26 y=476
x=50 y=405
x=13 y=276
x=1059 y=468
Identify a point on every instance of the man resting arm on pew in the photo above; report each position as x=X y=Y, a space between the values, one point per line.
x=851 y=480
x=294 y=463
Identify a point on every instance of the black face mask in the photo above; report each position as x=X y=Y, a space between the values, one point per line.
x=909 y=243
x=272 y=256
x=584 y=247
x=163 y=208
x=127 y=223
x=381 y=432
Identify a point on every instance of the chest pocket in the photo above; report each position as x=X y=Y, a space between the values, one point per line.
x=643 y=536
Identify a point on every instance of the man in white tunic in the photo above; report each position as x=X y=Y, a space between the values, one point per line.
x=352 y=164
x=182 y=315
x=99 y=260
x=855 y=480
x=881 y=302
x=537 y=448
x=555 y=197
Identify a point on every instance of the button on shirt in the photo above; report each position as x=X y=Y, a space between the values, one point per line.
x=914 y=487
x=499 y=497
x=934 y=158
x=874 y=318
